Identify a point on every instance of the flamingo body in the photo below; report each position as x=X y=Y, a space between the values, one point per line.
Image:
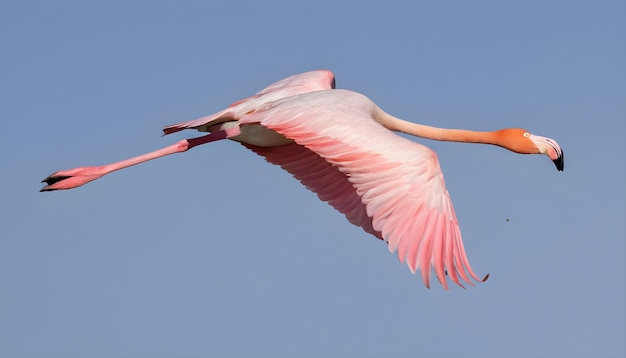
x=400 y=191
x=338 y=144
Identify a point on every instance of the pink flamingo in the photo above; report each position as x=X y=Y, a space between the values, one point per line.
x=340 y=145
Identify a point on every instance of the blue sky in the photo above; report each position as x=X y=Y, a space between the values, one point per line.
x=216 y=253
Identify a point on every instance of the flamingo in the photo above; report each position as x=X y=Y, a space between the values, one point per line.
x=342 y=146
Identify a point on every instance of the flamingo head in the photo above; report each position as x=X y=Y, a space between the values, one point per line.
x=521 y=141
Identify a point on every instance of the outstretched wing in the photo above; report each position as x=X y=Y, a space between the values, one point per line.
x=398 y=181
x=322 y=178
x=291 y=86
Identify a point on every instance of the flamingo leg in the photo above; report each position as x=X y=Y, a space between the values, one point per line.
x=72 y=178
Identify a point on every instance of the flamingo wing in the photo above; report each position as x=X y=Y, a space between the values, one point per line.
x=322 y=178
x=399 y=182
x=290 y=86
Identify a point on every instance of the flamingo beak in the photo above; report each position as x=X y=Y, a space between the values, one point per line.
x=550 y=148
x=559 y=161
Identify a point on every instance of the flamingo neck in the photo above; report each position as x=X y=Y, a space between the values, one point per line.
x=435 y=133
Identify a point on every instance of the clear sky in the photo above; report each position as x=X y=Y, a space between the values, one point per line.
x=216 y=253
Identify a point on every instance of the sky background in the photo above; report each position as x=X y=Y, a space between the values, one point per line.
x=215 y=252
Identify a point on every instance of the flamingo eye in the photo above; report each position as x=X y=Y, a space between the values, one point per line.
x=526 y=134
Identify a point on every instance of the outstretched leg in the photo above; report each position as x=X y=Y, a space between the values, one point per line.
x=72 y=178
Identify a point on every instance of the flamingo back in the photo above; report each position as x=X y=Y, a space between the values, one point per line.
x=290 y=86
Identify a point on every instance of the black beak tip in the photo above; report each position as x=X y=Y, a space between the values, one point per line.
x=559 y=162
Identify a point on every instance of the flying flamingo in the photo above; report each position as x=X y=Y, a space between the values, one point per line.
x=340 y=145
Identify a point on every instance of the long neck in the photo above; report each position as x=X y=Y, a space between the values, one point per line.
x=442 y=134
